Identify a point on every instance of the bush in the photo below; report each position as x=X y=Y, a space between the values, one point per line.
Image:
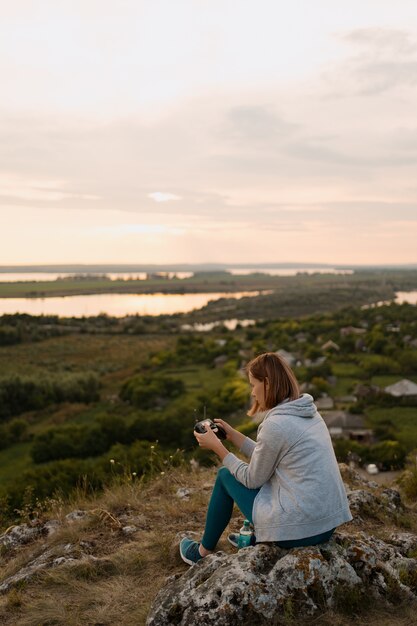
x=69 y=441
x=373 y=364
x=19 y=394
x=408 y=479
x=56 y=477
x=9 y=336
x=388 y=455
x=146 y=392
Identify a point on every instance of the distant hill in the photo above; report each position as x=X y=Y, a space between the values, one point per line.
x=190 y=267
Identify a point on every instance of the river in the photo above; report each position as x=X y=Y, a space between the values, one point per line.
x=115 y=305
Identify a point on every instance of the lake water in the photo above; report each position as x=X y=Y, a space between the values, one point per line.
x=230 y=325
x=289 y=271
x=115 y=305
x=401 y=297
x=406 y=296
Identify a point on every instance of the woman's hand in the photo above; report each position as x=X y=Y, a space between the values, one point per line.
x=209 y=441
x=232 y=434
x=226 y=427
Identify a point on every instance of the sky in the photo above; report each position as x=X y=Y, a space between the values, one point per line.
x=193 y=131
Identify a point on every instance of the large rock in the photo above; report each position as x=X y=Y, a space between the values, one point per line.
x=264 y=584
x=20 y=535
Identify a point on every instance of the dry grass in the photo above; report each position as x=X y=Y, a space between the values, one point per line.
x=119 y=585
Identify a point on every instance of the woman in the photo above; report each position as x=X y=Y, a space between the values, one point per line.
x=291 y=489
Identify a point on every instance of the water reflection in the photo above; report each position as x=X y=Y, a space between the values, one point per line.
x=401 y=297
x=289 y=271
x=115 y=305
x=230 y=325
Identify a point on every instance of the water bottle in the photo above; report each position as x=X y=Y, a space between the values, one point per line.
x=245 y=535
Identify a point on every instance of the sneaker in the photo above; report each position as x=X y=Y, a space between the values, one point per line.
x=189 y=551
x=233 y=538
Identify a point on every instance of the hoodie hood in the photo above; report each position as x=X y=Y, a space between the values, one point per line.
x=302 y=407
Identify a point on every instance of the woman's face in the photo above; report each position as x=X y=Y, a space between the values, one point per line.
x=258 y=390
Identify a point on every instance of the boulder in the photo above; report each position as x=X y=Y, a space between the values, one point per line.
x=20 y=535
x=50 y=557
x=265 y=584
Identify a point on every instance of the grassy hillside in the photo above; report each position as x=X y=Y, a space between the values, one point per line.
x=74 y=394
x=118 y=579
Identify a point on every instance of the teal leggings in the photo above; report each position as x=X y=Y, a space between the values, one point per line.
x=227 y=490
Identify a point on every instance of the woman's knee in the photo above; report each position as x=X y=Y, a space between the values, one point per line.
x=222 y=474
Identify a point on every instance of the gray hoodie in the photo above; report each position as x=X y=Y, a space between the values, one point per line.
x=293 y=463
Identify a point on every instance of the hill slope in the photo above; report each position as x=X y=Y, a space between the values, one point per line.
x=104 y=564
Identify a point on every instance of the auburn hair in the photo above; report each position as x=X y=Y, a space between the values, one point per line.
x=282 y=383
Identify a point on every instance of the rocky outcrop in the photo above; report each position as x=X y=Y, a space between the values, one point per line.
x=52 y=557
x=264 y=584
x=15 y=538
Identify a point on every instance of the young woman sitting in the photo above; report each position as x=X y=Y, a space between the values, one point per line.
x=291 y=489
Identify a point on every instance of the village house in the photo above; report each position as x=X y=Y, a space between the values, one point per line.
x=330 y=345
x=287 y=356
x=325 y=403
x=402 y=388
x=344 y=425
x=352 y=330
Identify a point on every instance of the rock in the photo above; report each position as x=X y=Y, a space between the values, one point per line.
x=405 y=542
x=19 y=535
x=259 y=585
x=392 y=499
x=51 y=557
x=139 y=521
x=129 y=530
x=183 y=493
x=365 y=503
x=353 y=477
x=76 y=516
x=51 y=526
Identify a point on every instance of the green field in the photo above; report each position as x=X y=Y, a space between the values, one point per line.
x=404 y=420
x=71 y=392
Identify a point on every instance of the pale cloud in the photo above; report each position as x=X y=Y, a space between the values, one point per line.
x=161 y=196
x=381 y=60
x=139 y=229
x=286 y=139
x=14 y=187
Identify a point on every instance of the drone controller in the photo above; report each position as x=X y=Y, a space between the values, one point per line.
x=201 y=427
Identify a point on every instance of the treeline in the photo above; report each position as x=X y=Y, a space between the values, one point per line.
x=59 y=478
x=24 y=328
x=19 y=394
x=388 y=455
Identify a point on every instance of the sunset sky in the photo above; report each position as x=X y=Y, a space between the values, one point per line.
x=167 y=131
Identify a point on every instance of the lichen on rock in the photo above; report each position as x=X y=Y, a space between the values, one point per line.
x=259 y=585
x=255 y=585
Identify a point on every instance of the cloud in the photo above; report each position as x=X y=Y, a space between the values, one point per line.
x=386 y=61
x=19 y=188
x=160 y=196
x=257 y=124
x=139 y=229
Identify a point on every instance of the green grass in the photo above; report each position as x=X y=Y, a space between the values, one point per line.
x=404 y=418
x=343 y=386
x=104 y=354
x=13 y=461
x=384 y=381
x=346 y=370
x=199 y=377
